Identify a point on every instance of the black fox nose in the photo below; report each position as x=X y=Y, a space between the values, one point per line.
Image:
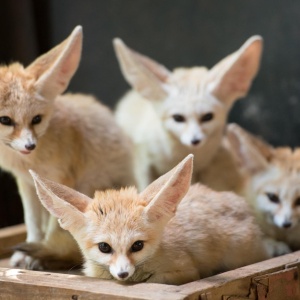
x=123 y=275
x=195 y=141
x=287 y=224
x=30 y=146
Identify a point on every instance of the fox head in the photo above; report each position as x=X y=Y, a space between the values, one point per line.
x=273 y=174
x=27 y=94
x=192 y=103
x=117 y=231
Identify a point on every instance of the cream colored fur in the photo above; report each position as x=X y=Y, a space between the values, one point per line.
x=271 y=184
x=171 y=114
x=72 y=139
x=170 y=233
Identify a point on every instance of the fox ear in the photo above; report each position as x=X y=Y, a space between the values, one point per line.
x=165 y=193
x=54 y=70
x=231 y=78
x=251 y=153
x=144 y=74
x=62 y=202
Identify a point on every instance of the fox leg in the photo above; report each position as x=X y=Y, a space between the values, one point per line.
x=274 y=247
x=63 y=249
x=36 y=219
x=57 y=251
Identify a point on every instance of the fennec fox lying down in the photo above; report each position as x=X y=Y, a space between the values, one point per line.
x=71 y=139
x=272 y=184
x=171 y=114
x=169 y=233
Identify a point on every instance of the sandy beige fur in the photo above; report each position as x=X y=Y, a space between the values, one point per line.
x=184 y=240
x=203 y=97
x=77 y=143
x=272 y=184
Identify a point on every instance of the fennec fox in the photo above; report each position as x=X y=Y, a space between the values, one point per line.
x=171 y=114
x=72 y=139
x=272 y=184
x=154 y=236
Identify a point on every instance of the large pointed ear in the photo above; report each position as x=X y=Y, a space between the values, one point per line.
x=165 y=193
x=231 y=78
x=144 y=74
x=251 y=153
x=54 y=70
x=62 y=202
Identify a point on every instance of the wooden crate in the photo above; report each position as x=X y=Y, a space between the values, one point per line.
x=274 y=279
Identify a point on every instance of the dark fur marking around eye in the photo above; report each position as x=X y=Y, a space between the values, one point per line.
x=297 y=202
x=137 y=246
x=105 y=248
x=207 y=117
x=178 y=118
x=7 y=121
x=273 y=197
x=36 y=120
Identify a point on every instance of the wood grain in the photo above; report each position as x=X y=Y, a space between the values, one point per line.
x=30 y=285
x=11 y=236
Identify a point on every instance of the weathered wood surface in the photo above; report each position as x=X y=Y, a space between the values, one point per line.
x=11 y=236
x=236 y=284
x=33 y=285
x=4 y=263
x=239 y=282
x=25 y=284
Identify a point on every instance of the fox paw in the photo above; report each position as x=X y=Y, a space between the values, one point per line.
x=276 y=248
x=22 y=260
x=34 y=256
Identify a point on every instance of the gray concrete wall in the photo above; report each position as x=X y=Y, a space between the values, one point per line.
x=188 y=33
x=175 y=33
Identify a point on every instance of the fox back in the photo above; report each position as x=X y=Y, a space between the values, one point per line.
x=171 y=114
x=154 y=236
x=272 y=184
x=72 y=138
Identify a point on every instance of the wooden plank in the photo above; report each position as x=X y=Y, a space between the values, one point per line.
x=11 y=236
x=239 y=281
x=25 y=284
x=4 y=263
x=279 y=285
x=33 y=285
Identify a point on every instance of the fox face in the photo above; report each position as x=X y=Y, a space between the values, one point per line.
x=24 y=114
x=190 y=113
x=119 y=232
x=120 y=237
x=273 y=176
x=277 y=192
x=27 y=94
x=192 y=104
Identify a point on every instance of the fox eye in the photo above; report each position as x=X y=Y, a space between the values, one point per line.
x=273 y=197
x=36 y=120
x=104 y=247
x=178 y=118
x=207 y=117
x=297 y=202
x=137 y=246
x=7 y=121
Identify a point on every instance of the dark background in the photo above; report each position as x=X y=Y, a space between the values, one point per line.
x=173 y=32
